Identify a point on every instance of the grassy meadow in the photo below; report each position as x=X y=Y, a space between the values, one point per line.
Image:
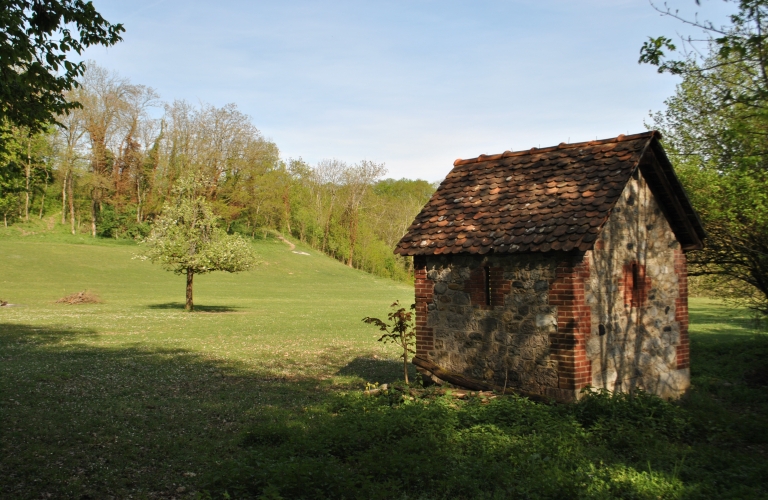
x=134 y=394
x=256 y=394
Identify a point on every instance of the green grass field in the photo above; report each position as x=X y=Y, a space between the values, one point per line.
x=135 y=398
x=132 y=394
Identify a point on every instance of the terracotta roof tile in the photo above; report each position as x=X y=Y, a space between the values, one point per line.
x=554 y=198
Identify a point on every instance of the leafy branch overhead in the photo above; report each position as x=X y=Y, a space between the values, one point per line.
x=714 y=129
x=733 y=56
x=36 y=38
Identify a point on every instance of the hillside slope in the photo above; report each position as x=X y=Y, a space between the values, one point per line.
x=289 y=298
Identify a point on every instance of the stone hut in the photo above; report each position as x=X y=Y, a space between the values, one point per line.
x=551 y=269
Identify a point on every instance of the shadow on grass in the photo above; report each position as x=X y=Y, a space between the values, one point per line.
x=376 y=370
x=179 y=306
x=90 y=422
x=81 y=421
x=21 y=334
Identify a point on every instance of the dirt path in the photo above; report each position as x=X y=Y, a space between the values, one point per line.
x=280 y=237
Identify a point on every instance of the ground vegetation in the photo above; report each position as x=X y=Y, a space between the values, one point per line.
x=259 y=393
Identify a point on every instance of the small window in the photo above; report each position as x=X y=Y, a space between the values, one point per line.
x=487 y=274
x=635 y=277
x=635 y=284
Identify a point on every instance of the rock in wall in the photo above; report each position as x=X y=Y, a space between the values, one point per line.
x=501 y=336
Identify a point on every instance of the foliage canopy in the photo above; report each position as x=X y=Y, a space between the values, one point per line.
x=715 y=127
x=35 y=39
x=186 y=238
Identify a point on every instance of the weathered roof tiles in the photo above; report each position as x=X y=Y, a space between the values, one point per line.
x=537 y=200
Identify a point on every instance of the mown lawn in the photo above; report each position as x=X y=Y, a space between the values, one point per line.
x=135 y=398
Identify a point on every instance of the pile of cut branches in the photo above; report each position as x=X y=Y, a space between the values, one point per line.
x=84 y=297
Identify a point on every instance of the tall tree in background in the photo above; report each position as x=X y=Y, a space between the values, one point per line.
x=11 y=178
x=186 y=239
x=330 y=175
x=358 y=180
x=70 y=138
x=111 y=166
x=35 y=39
x=715 y=127
x=104 y=102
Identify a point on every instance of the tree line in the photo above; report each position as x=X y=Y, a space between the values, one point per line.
x=108 y=166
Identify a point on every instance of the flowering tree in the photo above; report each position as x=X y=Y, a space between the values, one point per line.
x=186 y=238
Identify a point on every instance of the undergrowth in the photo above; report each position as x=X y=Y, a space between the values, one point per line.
x=391 y=446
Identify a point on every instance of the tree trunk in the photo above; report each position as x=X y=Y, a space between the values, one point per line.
x=28 y=172
x=64 y=199
x=352 y=237
x=93 y=214
x=138 y=201
x=287 y=203
x=42 y=201
x=405 y=359
x=328 y=225
x=190 y=276
x=70 y=188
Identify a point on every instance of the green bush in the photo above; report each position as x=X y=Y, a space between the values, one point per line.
x=113 y=224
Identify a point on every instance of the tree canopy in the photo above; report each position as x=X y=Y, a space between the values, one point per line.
x=112 y=167
x=186 y=239
x=715 y=128
x=36 y=38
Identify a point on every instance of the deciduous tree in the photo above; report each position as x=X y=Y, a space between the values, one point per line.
x=36 y=39
x=715 y=129
x=186 y=239
x=358 y=180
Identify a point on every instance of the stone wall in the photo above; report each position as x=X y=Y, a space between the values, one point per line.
x=613 y=317
x=637 y=293
x=490 y=318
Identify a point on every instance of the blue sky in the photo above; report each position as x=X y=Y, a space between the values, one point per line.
x=414 y=84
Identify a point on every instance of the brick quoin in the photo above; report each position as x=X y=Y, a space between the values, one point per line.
x=574 y=324
x=499 y=286
x=681 y=310
x=425 y=287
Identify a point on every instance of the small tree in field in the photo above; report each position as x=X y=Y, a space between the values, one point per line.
x=399 y=331
x=186 y=238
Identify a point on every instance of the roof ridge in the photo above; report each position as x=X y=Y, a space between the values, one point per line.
x=562 y=145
